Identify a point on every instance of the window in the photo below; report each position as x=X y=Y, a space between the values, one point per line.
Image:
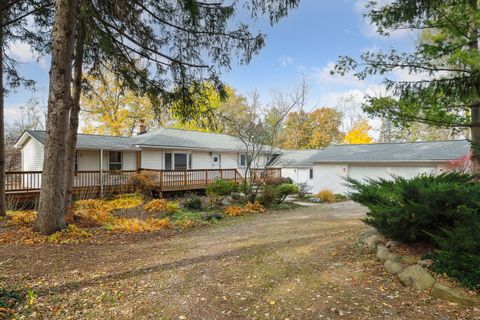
x=311 y=173
x=190 y=161
x=243 y=160
x=114 y=160
x=180 y=161
x=168 y=161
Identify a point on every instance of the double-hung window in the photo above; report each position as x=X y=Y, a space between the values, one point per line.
x=243 y=160
x=178 y=161
x=114 y=160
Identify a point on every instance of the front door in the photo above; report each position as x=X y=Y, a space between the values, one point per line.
x=216 y=161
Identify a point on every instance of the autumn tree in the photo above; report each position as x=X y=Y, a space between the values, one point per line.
x=312 y=130
x=181 y=44
x=445 y=58
x=359 y=133
x=110 y=107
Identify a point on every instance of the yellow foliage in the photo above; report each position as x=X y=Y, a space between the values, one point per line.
x=186 y=223
x=156 y=205
x=24 y=218
x=235 y=211
x=326 y=196
x=358 y=134
x=172 y=207
x=127 y=201
x=137 y=225
x=72 y=234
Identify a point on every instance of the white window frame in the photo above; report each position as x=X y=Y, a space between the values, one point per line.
x=172 y=160
x=110 y=162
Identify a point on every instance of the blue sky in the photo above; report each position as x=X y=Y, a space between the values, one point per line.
x=305 y=44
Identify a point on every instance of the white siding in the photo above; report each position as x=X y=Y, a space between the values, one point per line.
x=32 y=156
x=330 y=176
x=298 y=175
x=88 y=160
x=129 y=160
x=201 y=160
x=362 y=172
x=152 y=159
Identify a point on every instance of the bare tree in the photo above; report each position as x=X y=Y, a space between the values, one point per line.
x=258 y=137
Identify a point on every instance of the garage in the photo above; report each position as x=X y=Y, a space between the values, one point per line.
x=362 y=172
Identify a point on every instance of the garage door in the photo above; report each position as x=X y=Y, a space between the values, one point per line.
x=362 y=172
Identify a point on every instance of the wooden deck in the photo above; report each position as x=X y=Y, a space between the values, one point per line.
x=27 y=184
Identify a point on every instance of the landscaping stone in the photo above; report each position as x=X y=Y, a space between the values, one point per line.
x=226 y=201
x=408 y=260
x=453 y=295
x=383 y=254
x=393 y=267
x=426 y=263
x=372 y=242
x=315 y=200
x=393 y=244
x=416 y=277
x=367 y=234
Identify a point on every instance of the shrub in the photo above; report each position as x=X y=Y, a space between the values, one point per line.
x=137 y=225
x=414 y=210
x=156 y=205
x=221 y=187
x=24 y=218
x=250 y=207
x=172 y=207
x=72 y=234
x=285 y=189
x=143 y=182
x=303 y=189
x=269 y=195
x=279 y=180
x=458 y=252
x=326 y=195
x=186 y=223
x=126 y=201
x=193 y=202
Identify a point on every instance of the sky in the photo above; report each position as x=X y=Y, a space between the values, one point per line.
x=304 y=45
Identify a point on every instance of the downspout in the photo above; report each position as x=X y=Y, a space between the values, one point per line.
x=101 y=172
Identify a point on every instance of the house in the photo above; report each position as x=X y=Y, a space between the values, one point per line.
x=163 y=149
x=327 y=168
x=176 y=159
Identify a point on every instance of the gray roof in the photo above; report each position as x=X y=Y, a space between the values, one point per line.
x=169 y=138
x=394 y=152
x=90 y=141
x=296 y=158
x=188 y=139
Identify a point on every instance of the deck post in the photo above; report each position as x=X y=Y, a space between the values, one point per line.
x=101 y=172
x=206 y=177
x=185 y=178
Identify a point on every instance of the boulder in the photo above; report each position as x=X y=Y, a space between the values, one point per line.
x=416 y=277
x=453 y=295
x=372 y=242
x=426 y=263
x=226 y=201
x=408 y=260
x=383 y=254
x=393 y=244
x=368 y=233
x=393 y=266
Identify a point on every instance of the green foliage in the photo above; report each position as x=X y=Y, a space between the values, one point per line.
x=10 y=298
x=459 y=248
x=193 y=202
x=442 y=210
x=412 y=210
x=285 y=189
x=269 y=195
x=221 y=187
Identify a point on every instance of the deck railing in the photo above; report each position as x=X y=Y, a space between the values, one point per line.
x=266 y=175
x=120 y=180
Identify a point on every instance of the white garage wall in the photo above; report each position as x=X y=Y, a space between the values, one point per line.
x=329 y=176
x=361 y=172
x=299 y=175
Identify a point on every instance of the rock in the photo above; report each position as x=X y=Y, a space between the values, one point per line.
x=315 y=200
x=373 y=241
x=426 y=263
x=393 y=244
x=453 y=295
x=383 y=254
x=213 y=216
x=367 y=234
x=393 y=267
x=408 y=260
x=416 y=277
x=226 y=201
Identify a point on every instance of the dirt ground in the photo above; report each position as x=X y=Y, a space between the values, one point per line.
x=298 y=264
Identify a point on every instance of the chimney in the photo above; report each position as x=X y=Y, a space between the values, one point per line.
x=141 y=127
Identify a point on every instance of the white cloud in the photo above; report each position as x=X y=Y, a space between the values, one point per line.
x=285 y=60
x=21 y=51
x=324 y=77
x=12 y=113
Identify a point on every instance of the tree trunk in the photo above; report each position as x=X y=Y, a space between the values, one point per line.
x=475 y=110
x=51 y=209
x=74 y=113
x=2 y=128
